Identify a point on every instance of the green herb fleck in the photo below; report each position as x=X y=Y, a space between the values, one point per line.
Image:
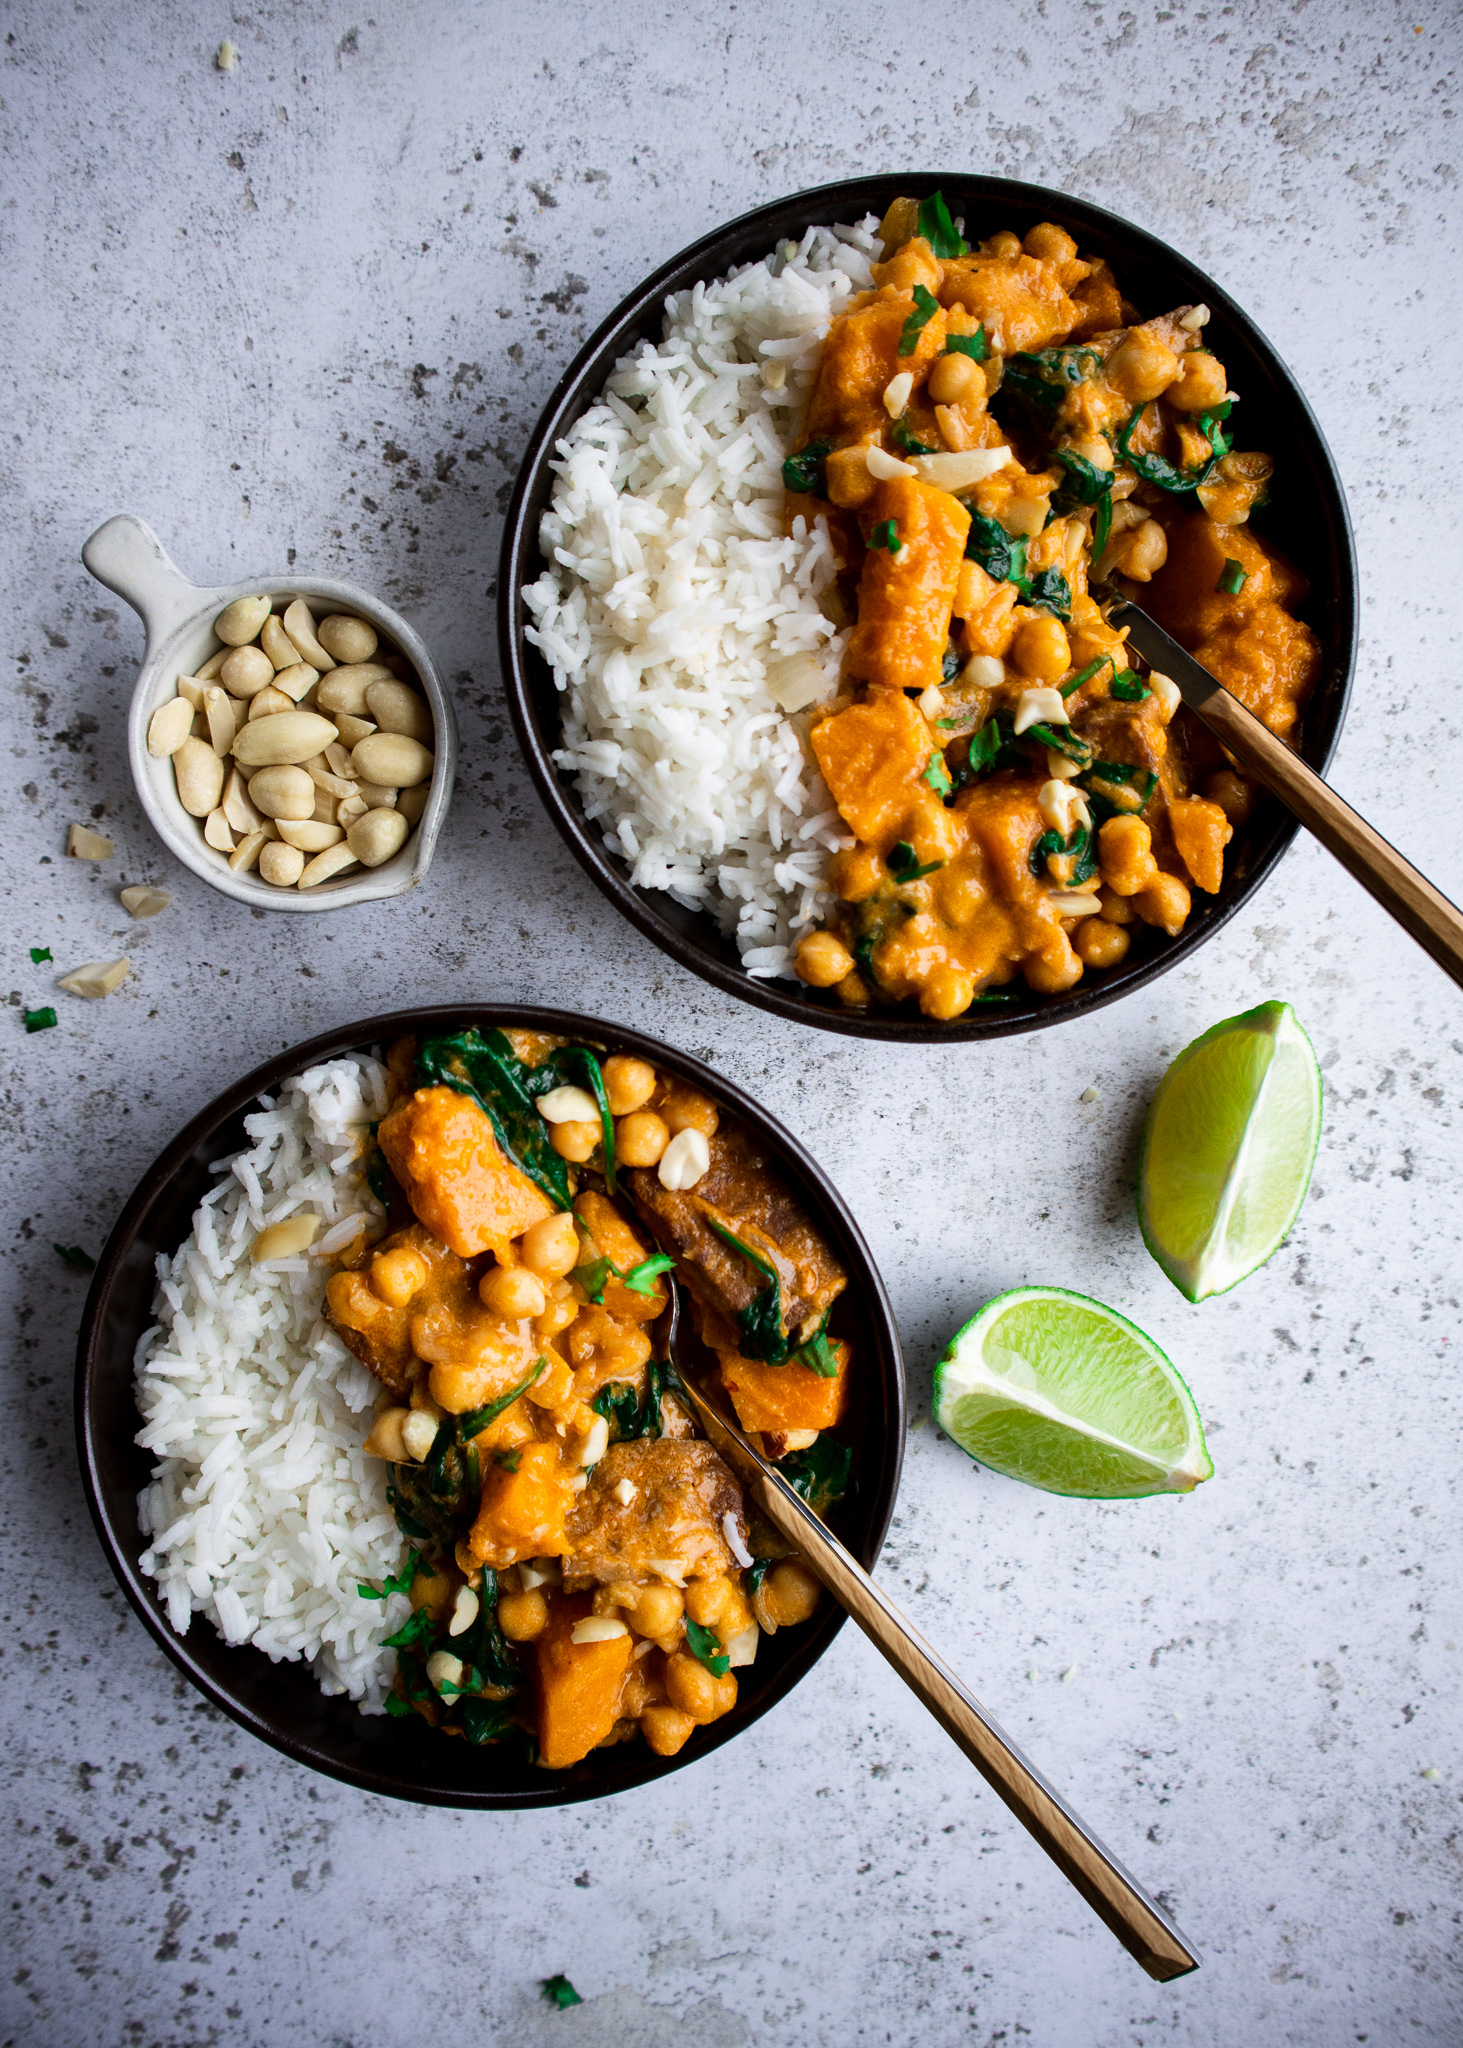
x=78 y=1260
x=926 y=305
x=38 y=954
x=1118 y=783
x=595 y=1276
x=1039 y=382
x=477 y=1419
x=808 y=469
x=560 y=1992
x=973 y=345
x=641 y=1279
x=905 y=865
x=1068 y=861
x=937 y=775
x=39 y=1020
x=886 y=535
x=406 y=1521
x=1002 y=555
x=939 y=230
x=819 y=1354
x=819 y=1474
x=1129 y=687
x=1061 y=740
x=418 y=1629
x=401 y=1582
x=706 y=1649
x=760 y=1321
x=1232 y=579
x=397 y=1708
x=1156 y=469
x=757 y=1572
x=1051 y=592
x=509 y=1460
x=1074 y=683
x=905 y=439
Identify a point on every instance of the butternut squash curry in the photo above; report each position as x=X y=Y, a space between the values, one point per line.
x=992 y=432
x=584 y=1569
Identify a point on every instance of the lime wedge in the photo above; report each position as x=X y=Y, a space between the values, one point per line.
x=1228 y=1150
x=1055 y=1389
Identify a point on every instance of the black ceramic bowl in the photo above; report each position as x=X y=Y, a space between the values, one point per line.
x=281 y=1703
x=1307 y=515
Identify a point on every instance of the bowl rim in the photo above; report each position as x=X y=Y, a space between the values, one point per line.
x=520 y=563
x=185 y=606
x=115 y=1520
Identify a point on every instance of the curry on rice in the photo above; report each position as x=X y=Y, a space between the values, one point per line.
x=993 y=433
x=585 y=1569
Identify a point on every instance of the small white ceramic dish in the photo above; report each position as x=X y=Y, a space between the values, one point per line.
x=127 y=556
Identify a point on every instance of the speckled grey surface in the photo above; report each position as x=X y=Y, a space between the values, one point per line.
x=305 y=311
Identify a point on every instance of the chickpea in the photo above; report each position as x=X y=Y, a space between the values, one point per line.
x=1234 y=796
x=1002 y=243
x=1165 y=902
x=398 y=1275
x=523 y=1616
x=657 y=1611
x=1125 y=852
x=687 y=1109
x=1041 y=649
x=557 y=1316
x=385 y=1440
x=853 y=992
x=822 y=960
x=434 y=1589
x=790 y=1593
x=718 y=1604
x=949 y=992
x=629 y=1083
x=1201 y=382
x=1140 y=553
x=693 y=1689
x=1050 y=244
x=1054 y=968
x=641 y=1138
x=955 y=377
x=1100 y=944
x=1115 y=909
x=458 y=1384
x=575 y=1140
x=666 y=1729
x=856 y=873
x=1141 y=367
x=512 y=1292
x=551 y=1248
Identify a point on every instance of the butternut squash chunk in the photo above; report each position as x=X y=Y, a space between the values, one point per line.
x=906 y=593
x=522 y=1511
x=446 y=1155
x=610 y=1237
x=872 y=756
x=1200 y=832
x=778 y=1397
x=579 y=1685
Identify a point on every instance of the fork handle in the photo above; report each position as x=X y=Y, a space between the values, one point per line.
x=1145 y=1931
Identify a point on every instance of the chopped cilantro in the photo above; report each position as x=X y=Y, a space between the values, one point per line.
x=819 y=1354
x=706 y=1649
x=509 y=1460
x=926 y=305
x=595 y=1275
x=560 y=1992
x=886 y=535
x=39 y=1020
x=1075 y=855
x=78 y=1260
x=939 y=230
x=417 y=1630
x=973 y=345
x=905 y=865
x=807 y=470
x=937 y=775
x=904 y=439
x=401 y=1582
x=1129 y=687
x=641 y=1279
x=1155 y=469
x=1061 y=740
x=1232 y=579
x=38 y=954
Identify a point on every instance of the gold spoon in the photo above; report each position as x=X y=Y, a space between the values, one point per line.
x=1140 y=1924
x=1422 y=910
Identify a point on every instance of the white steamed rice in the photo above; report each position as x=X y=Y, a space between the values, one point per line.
x=264 y=1512
x=685 y=628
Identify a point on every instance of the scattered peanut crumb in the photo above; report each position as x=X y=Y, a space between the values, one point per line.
x=1033 y=1674
x=96 y=979
x=1069 y=1674
x=144 y=902
x=1088 y=1095
x=227 y=57
x=84 y=844
x=1432 y=1772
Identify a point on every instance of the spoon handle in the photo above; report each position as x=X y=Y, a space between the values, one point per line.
x=1422 y=910
x=1145 y=1931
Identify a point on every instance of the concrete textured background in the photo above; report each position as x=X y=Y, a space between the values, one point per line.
x=307 y=311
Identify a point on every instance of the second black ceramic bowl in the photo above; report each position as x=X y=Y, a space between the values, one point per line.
x=1307 y=515
x=281 y=1703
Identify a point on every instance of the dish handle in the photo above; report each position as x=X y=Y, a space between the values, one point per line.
x=127 y=556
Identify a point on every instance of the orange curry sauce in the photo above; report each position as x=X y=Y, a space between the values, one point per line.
x=991 y=431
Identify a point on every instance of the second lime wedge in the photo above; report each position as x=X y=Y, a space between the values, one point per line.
x=1060 y=1391
x=1228 y=1149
